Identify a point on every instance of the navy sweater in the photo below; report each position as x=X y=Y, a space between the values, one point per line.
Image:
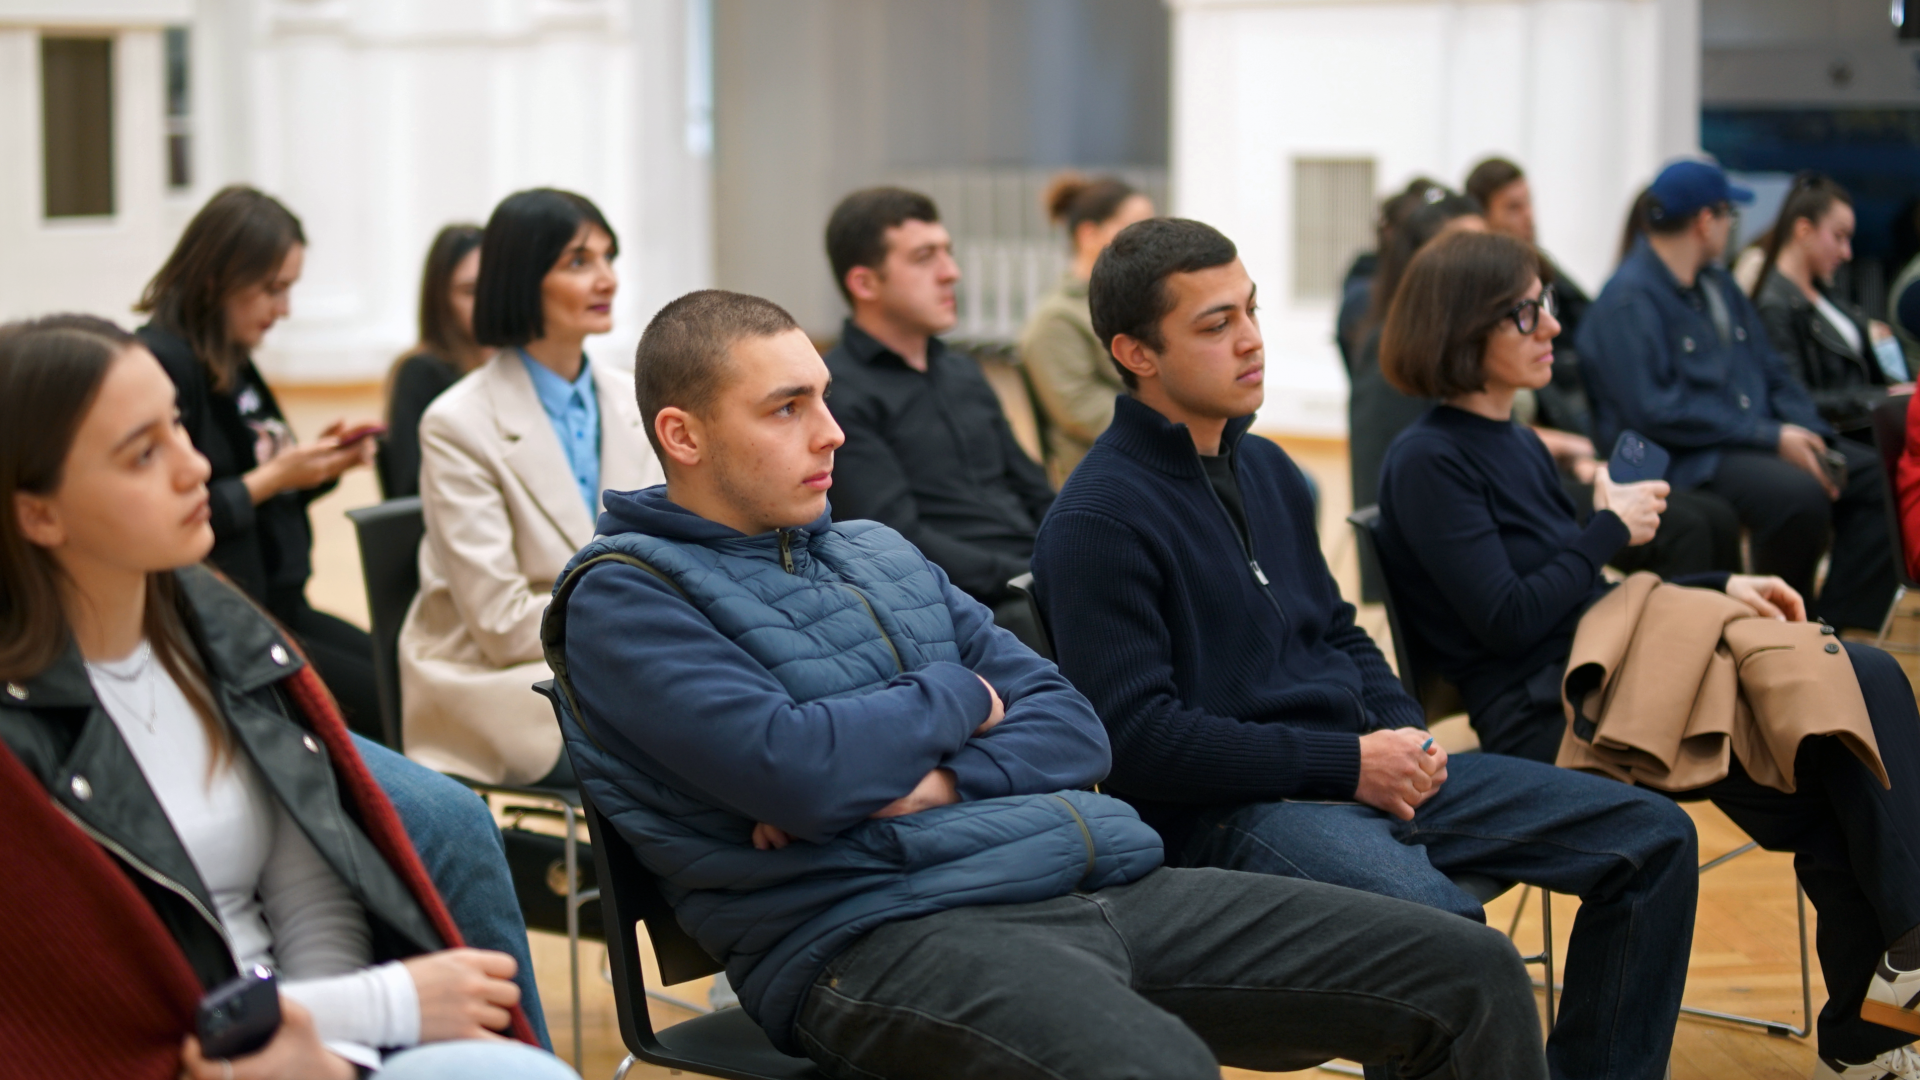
x=1215 y=687
x=1489 y=567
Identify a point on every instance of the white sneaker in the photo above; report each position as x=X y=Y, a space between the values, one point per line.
x=1900 y=1063
x=1891 y=998
x=721 y=995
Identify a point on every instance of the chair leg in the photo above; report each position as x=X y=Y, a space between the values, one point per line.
x=1886 y=625
x=1546 y=948
x=625 y=1064
x=573 y=926
x=1771 y=1027
x=1519 y=909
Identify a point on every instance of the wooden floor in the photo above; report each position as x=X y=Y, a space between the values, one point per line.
x=1745 y=950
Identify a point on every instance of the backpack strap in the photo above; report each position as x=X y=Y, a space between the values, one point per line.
x=553 y=625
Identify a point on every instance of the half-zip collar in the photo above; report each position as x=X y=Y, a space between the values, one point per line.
x=1161 y=444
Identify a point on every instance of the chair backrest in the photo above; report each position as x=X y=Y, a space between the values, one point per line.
x=1437 y=696
x=1890 y=437
x=389 y=535
x=1022 y=586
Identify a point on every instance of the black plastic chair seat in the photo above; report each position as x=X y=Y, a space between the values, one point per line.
x=1479 y=886
x=727 y=1044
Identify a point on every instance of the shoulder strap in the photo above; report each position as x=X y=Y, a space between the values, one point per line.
x=553 y=625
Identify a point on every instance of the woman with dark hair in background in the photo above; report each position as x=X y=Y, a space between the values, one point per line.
x=183 y=802
x=1357 y=286
x=1845 y=361
x=1376 y=412
x=1070 y=371
x=1492 y=572
x=444 y=352
x=513 y=460
x=211 y=305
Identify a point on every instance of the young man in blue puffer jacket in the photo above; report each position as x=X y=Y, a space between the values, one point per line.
x=870 y=802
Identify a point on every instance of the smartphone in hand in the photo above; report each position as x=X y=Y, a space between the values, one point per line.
x=1835 y=463
x=364 y=431
x=239 y=1016
x=1636 y=458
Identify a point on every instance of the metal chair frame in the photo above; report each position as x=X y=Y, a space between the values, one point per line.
x=396 y=526
x=1364 y=521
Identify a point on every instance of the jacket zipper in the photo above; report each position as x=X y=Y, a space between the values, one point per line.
x=1253 y=564
x=150 y=874
x=875 y=616
x=1086 y=834
x=786 y=550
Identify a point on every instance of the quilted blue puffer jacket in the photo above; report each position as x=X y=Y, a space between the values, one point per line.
x=807 y=678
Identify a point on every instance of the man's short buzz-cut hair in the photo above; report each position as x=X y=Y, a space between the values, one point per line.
x=682 y=359
x=857 y=231
x=1129 y=295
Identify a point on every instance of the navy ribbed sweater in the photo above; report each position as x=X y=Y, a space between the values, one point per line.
x=1214 y=686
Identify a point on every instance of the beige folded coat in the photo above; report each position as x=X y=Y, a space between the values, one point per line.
x=1665 y=682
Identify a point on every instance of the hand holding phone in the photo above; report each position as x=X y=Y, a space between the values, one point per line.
x=240 y=1015
x=364 y=431
x=1636 y=458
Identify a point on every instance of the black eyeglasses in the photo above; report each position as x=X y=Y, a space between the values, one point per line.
x=1526 y=313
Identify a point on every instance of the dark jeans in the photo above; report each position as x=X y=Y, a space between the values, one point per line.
x=342 y=654
x=1856 y=845
x=1791 y=519
x=458 y=841
x=1171 y=977
x=1629 y=855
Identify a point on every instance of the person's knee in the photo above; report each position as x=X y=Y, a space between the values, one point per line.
x=1484 y=962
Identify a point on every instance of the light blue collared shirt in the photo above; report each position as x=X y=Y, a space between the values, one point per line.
x=575 y=414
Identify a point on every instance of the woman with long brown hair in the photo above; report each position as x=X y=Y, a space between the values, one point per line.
x=445 y=352
x=210 y=306
x=1845 y=360
x=184 y=804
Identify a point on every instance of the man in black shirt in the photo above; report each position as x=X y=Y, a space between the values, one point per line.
x=928 y=450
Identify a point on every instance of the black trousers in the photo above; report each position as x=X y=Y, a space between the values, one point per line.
x=342 y=655
x=1856 y=845
x=1791 y=520
x=1699 y=534
x=1169 y=978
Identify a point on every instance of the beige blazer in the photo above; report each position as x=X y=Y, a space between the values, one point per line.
x=1666 y=684
x=503 y=516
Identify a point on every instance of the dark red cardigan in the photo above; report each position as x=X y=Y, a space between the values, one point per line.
x=91 y=983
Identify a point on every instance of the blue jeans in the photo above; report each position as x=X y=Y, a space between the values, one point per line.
x=474 y=1059
x=460 y=844
x=1630 y=855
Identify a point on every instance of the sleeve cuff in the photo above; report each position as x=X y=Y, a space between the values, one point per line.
x=1604 y=536
x=976 y=775
x=1329 y=764
x=972 y=700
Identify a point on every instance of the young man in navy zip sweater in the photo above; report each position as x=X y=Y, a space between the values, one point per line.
x=1258 y=728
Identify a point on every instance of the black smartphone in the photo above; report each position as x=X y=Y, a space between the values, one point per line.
x=1835 y=463
x=239 y=1016
x=1636 y=458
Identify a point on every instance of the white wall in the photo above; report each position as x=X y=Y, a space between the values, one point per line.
x=376 y=121
x=1590 y=96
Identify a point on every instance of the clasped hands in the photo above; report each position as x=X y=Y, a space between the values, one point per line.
x=934 y=789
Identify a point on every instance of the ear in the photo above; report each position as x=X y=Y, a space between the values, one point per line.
x=1802 y=228
x=681 y=436
x=1133 y=354
x=39 y=521
x=863 y=282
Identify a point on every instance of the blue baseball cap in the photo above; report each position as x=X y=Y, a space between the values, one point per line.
x=1685 y=188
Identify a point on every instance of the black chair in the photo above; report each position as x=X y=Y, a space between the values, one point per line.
x=1890 y=436
x=726 y=1043
x=546 y=869
x=1022 y=587
x=1433 y=692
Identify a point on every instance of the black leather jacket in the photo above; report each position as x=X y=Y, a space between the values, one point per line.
x=56 y=727
x=1845 y=383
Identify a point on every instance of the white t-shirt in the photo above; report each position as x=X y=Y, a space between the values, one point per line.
x=1840 y=322
x=280 y=902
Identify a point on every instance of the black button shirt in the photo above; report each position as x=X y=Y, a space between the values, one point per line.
x=931 y=455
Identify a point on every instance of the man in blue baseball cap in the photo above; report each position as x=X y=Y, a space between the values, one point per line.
x=1673 y=350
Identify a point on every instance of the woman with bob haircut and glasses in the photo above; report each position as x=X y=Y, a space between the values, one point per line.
x=1491 y=572
x=210 y=307
x=183 y=802
x=513 y=459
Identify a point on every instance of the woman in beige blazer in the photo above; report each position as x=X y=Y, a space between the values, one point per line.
x=509 y=489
